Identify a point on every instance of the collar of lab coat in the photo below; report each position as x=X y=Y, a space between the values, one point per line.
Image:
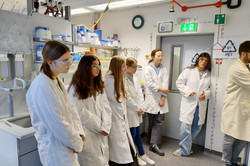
x=242 y=63
x=157 y=70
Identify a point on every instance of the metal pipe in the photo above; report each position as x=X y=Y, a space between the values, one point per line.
x=10 y=106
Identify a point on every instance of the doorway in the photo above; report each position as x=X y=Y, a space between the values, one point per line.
x=178 y=53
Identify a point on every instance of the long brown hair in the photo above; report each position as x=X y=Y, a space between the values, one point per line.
x=153 y=54
x=86 y=86
x=52 y=50
x=115 y=67
x=204 y=54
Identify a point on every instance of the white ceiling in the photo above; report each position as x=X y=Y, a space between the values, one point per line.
x=20 y=6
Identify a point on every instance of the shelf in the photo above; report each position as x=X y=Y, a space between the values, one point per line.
x=83 y=45
x=66 y=43
x=96 y=46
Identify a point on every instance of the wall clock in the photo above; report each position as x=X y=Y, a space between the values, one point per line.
x=138 y=22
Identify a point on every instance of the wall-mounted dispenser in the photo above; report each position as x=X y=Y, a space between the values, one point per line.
x=19 y=65
x=4 y=66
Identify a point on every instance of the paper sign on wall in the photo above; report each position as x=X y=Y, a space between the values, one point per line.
x=191 y=56
x=229 y=48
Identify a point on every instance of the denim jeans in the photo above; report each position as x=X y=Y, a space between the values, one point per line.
x=231 y=149
x=136 y=135
x=188 y=134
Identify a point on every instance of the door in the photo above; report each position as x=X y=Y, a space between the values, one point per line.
x=178 y=53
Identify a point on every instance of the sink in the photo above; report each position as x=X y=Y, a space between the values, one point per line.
x=23 y=121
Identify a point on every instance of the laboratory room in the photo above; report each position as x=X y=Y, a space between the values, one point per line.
x=124 y=83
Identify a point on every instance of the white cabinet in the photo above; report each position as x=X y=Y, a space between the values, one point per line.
x=16 y=151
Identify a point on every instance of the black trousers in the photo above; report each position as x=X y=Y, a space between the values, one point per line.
x=155 y=128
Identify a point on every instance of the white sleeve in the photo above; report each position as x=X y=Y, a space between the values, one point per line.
x=165 y=81
x=149 y=80
x=181 y=83
x=131 y=104
x=88 y=119
x=51 y=114
x=106 y=114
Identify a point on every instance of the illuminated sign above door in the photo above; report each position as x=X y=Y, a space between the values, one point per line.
x=189 y=27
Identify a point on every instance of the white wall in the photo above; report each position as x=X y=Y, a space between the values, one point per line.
x=119 y=22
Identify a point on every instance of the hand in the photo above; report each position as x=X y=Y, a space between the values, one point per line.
x=192 y=94
x=139 y=113
x=161 y=103
x=202 y=97
x=103 y=133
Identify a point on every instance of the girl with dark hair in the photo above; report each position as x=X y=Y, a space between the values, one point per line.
x=86 y=91
x=120 y=139
x=156 y=76
x=58 y=128
x=193 y=84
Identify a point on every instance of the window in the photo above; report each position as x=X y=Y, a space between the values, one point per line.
x=176 y=63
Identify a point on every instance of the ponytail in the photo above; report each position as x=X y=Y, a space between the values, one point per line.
x=45 y=68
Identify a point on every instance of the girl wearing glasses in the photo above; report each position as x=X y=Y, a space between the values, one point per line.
x=120 y=139
x=58 y=128
x=86 y=91
x=193 y=84
x=134 y=90
x=156 y=76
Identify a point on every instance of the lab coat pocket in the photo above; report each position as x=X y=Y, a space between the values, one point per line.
x=245 y=109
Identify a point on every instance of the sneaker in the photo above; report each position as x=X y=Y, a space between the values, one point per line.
x=191 y=151
x=177 y=153
x=141 y=162
x=154 y=148
x=147 y=160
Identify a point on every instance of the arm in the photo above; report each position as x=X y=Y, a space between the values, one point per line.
x=88 y=119
x=181 y=84
x=131 y=104
x=150 y=81
x=106 y=114
x=51 y=113
x=165 y=89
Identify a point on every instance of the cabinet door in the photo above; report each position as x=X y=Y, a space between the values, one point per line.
x=26 y=145
x=30 y=159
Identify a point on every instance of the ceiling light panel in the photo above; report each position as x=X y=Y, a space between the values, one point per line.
x=79 y=11
x=124 y=4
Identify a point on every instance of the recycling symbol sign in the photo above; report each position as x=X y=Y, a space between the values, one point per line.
x=229 y=48
x=194 y=58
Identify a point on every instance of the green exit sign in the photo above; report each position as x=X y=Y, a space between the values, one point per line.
x=189 y=27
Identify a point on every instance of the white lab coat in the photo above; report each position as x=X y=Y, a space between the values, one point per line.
x=134 y=91
x=152 y=95
x=189 y=81
x=120 y=138
x=235 y=118
x=95 y=115
x=56 y=122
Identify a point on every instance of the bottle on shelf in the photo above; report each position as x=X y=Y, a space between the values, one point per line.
x=39 y=56
x=119 y=44
x=83 y=38
x=109 y=41
x=79 y=37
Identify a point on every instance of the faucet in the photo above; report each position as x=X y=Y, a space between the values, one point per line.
x=21 y=80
